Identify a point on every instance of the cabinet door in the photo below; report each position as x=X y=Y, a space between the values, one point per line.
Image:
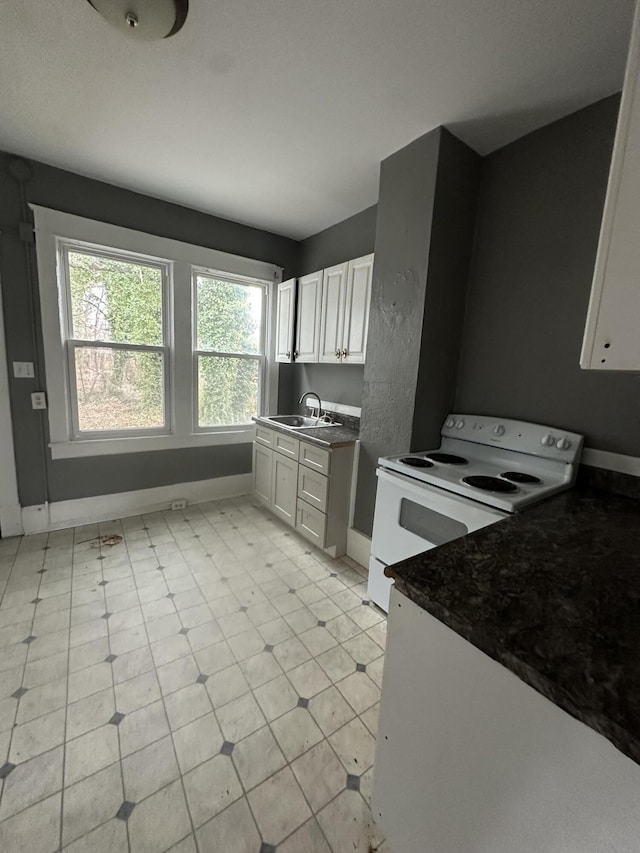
x=262 y=472
x=332 y=325
x=611 y=340
x=308 y=317
x=285 y=319
x=284 y=488
x=356 y=313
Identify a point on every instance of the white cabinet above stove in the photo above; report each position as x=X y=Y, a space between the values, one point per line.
x=611 y=339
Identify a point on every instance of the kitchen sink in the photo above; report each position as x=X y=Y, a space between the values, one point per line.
x=299 y=422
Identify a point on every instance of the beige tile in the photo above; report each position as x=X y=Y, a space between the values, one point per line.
x=11 y=679
x=379 y=633
x=318 y=640
x=275 y=631
x=320 y=775
x=126 y=641
x=137 y=692
x=149 y=769
x=375 y=669
x=257 y=757
x=278 y=806
x=354 y=746
x=91 y=752
x=362 y=648
x=276 y=698
x=48 y=669
x=42 y=700
x=186 y=705
x=32 y=781
x=342 y=628
x=13 y=656
x=247 y=644
x=111 y=837
x=177 y=674
x=233 y=831
x=89 y=654
x=291 y=653
x=240 y=718
x=348 y=824
x=310 y=593
x=90 y=713
x=91 y=802
x=347 y=600
x=296 y=731
x=234 y=623
x=214 y=658
x=131 y=664
x=39 y=735
x=166 y=626
x=206 y=634
x=307 y=839
x=171 y=648
x=87 y=632
x=226 y=685
x=262 y=612
x=159 y=821
x=142 y=727
x=325 y=609
x=211 y=787
x=370 y=718
x=197 y=742
x=366 y=785
x=330 y=711
x=187 y=845
x=359 y=691
x=300 y=620
x=91 y=680
x=260 y=668
x=8 y=710
x=308 y=679
x=36 y=829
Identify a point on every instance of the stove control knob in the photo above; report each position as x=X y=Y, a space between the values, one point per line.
x=563 y=444
x=547 y=440
x=460 y=424
x=498 y=430
x=450 y=423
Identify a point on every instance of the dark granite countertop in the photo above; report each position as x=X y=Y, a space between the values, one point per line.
x=553 y=594
x=331 y=436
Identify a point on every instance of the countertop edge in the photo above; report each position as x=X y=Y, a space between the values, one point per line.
x=607 y=728
x=308 y=435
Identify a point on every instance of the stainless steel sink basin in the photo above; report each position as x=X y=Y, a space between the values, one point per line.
x=298 y=422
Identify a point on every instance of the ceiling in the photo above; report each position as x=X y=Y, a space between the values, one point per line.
x=277 y=113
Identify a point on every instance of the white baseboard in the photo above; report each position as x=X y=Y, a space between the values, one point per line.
x=358 y=547
x=10 y=521
x=612 y=461
x=62 y=514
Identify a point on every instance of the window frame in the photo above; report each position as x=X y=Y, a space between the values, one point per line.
x=54 y=230
x=197 y=353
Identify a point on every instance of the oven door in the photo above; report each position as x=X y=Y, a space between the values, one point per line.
x=412 y=517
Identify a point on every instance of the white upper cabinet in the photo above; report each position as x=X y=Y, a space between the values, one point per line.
x=285 y=319
x=356 y=313
x=612 y=337
x=333 y=304
x=308 y=317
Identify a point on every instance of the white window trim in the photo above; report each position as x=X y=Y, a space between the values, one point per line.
x=52 y=226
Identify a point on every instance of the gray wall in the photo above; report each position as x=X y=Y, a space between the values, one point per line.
x=537 y=232
x=351 y=238
x=38 y=477
x=424 y=234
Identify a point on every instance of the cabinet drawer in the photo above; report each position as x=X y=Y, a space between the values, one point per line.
x=312 y=523
x=313 y=487
x=315 y=457
x=264 y=436
x=286 y=445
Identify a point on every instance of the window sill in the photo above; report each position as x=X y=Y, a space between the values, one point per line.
x=141 y=444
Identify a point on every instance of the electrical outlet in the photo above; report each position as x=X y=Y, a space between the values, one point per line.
x=39 y=400
x=23 y=370
x=180 y=504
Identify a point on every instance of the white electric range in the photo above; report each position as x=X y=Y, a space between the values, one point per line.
x=485 y=469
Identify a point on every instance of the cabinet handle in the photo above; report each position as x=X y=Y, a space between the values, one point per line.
x=344 y=353
x=338 y=353
x=289 y=354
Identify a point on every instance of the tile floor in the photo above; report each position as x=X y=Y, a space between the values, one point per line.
x=209 y=683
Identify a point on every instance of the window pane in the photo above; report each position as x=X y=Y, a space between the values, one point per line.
x=229 y=316
x=227 y=390
x=115 y=301
x=119 y=389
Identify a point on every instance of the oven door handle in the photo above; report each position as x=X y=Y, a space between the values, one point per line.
x=411 y=487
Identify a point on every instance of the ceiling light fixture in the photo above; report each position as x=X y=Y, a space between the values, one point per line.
x=144 y=19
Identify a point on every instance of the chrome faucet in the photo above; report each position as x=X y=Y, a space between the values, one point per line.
x=317 y=396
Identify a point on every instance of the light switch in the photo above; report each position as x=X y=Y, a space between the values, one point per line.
x=23 y=370
x=39 y=400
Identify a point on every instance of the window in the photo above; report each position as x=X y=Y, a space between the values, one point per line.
x=149 y=343
x=229 y=350
x=116 y=342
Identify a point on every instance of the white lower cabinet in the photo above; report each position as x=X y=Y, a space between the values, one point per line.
x=304 y=485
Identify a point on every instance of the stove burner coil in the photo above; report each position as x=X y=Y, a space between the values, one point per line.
x=489 y=484
x=447 y=458
x=416 y=462
x=520 y=477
